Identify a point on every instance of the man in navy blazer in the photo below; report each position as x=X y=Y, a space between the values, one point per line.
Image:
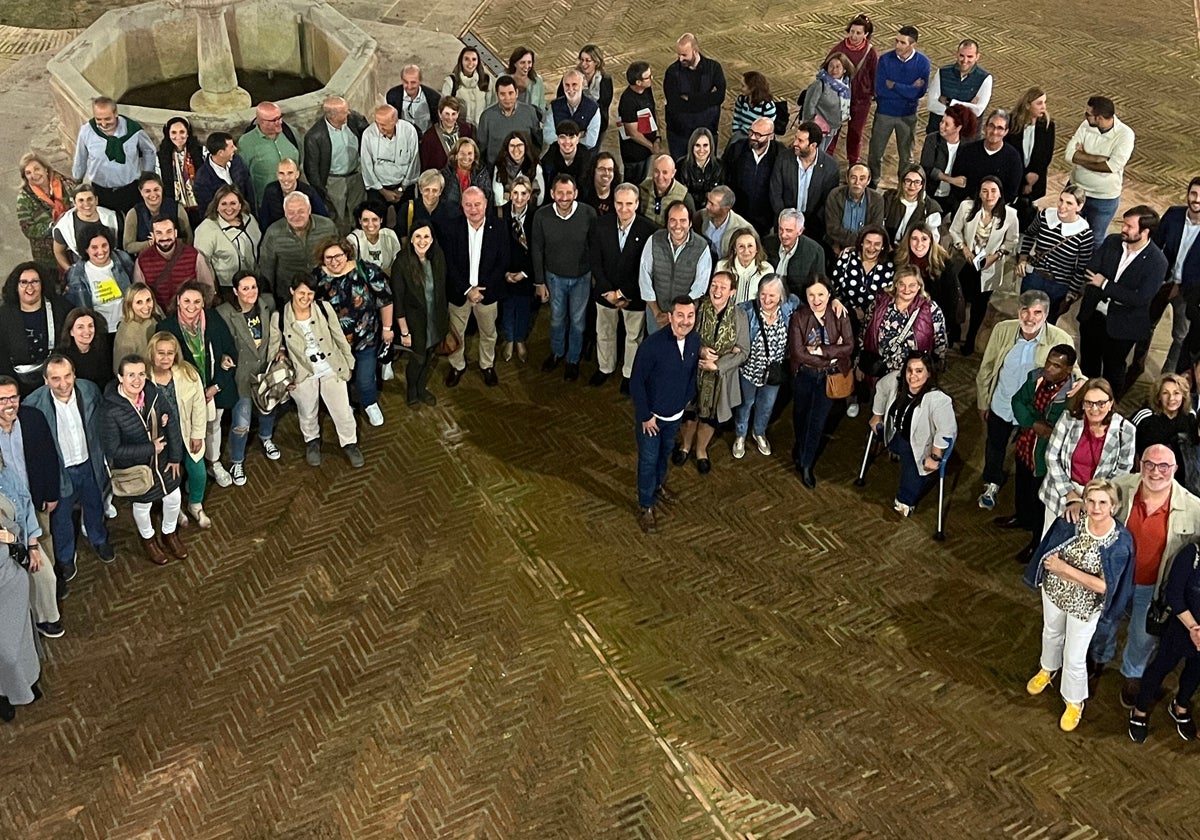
x=476 y=260
x=1123 y=276
x=1176 y=234
x=822 y=176
x=663 y=382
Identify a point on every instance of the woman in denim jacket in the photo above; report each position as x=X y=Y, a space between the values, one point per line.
x=1085 y=572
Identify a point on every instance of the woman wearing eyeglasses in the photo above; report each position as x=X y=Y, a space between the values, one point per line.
x=313 y=341
x=909 y=207
x=1089 y=441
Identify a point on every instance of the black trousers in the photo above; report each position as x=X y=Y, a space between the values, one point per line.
x=120 y=200
x=1030 y=510
x=1174 y=646
x=1102 y=355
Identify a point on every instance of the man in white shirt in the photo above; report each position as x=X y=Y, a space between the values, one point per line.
x=389 y=158
x=1098 y=154
x=962 y=82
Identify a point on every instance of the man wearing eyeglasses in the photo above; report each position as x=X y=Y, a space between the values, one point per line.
x=748 y=165
x=268 y=141
x=25 y=442
x=1163 y=517
x=639 y=122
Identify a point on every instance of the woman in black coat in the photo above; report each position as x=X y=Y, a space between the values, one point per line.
x=207 y=346
x=419 y=307
x=138 y=428
x=31 y=323
x=516 y=308
x=1031 y=133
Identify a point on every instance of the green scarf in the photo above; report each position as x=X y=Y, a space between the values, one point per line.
x=114 y=146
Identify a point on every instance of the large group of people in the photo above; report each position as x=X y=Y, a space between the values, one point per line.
x=168 y=285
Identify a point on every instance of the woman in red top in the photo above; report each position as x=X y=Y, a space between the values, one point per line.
x=857 y=47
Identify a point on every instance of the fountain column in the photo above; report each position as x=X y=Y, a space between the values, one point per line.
x=219 y=91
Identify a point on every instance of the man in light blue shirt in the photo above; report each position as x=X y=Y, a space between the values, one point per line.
x=112 y=152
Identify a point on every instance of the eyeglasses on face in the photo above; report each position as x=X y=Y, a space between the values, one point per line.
x=9 y=400
x=1095 y=403
x=334 y=258
x=1154 y=466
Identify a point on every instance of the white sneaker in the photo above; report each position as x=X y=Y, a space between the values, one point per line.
x=270 y=449
x=987 y=499
x=183 y=521
x=374 y=414
x=110 y=511
x=197 y=512
x=387 y=374
x=900 y=508
x=852 y=410
x=739 y=447
x=220 y=474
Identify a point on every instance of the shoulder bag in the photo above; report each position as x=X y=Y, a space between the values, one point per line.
x=871 y=362
x=1159 y=614
x=774 y=372
x=136 y=481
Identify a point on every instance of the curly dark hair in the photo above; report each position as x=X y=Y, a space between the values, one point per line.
x=14 y=277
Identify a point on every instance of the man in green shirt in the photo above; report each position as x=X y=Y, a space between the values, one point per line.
x=268 y=141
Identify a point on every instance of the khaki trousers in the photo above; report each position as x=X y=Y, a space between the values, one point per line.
x=43 y=586
x=606 y=337
x=336 y=396
x=485 y=318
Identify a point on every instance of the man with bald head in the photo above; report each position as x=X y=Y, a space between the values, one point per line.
x=748 y=165
x=661 y=190
x=331 y=160
x=1163 y=517
x=389 y=158
x=268 y=141
x=693 y=90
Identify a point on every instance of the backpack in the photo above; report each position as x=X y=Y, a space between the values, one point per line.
x=782 y=117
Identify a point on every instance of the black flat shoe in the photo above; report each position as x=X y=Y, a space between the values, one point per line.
x=807 y=478
x=679 y=456
x=703 y=466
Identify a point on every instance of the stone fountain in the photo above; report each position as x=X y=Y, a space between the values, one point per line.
x=209 y=60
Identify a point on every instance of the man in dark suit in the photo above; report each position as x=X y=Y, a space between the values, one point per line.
x=796 y=257
x=333 y=169
x=1176 y=234
x=1123 y=276
x=804 y=179
x=662 y=384
x=416 y=103
x=475 y=284
x=748 y=165
x=615 y=243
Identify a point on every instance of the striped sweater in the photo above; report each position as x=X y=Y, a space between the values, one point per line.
x=1058 y=258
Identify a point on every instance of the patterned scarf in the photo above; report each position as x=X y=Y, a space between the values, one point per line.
x=53 y=199
x=840 y=88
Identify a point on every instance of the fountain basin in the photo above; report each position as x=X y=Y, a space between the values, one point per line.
x=294 y=52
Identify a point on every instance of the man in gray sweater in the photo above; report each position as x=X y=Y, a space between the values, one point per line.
x=562 y=272
x=504 y=116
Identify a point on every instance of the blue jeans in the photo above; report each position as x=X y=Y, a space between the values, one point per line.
x=912 y=484
x=654 y=455
x=241 y=421
x=516 y=315
x=760 y=398
x=1098 y=212
x=810 y=410
x=1056 y=291
x=85 y=493
x=1139 y=645
x=568 y=297
x=365 y=362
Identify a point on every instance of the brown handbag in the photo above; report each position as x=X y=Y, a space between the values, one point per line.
x=838 y=386
x=450 y=343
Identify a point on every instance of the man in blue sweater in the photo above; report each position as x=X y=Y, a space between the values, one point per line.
x=663 y=382
x=900 y=84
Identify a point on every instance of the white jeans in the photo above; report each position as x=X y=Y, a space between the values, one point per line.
x=606 y=337
x=170 y=520
x=336 y=396
x=1065 y=641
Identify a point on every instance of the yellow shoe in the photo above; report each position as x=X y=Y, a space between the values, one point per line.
x=1039 y=682
x=1070 y=718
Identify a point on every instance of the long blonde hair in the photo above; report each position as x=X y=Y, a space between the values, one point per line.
x=179 y=366
x=127 y=313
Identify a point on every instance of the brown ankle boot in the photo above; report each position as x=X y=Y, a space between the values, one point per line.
x=154 y=552
x=174 y=545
